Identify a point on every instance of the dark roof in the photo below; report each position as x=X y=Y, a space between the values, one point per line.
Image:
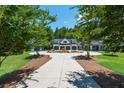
x=58 y=41
x=97 y=42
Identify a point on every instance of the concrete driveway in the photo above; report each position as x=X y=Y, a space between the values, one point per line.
x=62 y=71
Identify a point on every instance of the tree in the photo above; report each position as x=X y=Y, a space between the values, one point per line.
x=15 y=22
x=50 y=35
x=19 y=25
x=112 y=22
x=87 y=25
x=105 y=22
x=42 y=33
x=63 y=33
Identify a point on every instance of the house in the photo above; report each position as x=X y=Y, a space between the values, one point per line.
x=96 y=45
x=121 y=47
x=66 y=44
x=72 y=44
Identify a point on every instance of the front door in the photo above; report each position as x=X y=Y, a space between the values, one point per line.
x=73 y=47
x=95 y=48
x=67 y=47
x=62 y=48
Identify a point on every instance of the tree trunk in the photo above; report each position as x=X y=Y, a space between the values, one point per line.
x=37 y=53
x=0 y=61
x=9 y=52
x=88 y=54
x=88 y=51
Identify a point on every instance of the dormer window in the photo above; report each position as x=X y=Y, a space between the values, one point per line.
x=64 y=42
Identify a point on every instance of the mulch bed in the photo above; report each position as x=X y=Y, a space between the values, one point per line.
x=10 y=79
x=106 y=78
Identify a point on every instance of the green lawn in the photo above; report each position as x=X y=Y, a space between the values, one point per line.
x=115 y=63
x=13 y=62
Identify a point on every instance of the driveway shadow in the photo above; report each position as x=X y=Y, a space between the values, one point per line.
x=110 y=80
x=81 y=80
x=23 y=82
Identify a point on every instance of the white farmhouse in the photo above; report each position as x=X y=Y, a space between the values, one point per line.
x=72 y=44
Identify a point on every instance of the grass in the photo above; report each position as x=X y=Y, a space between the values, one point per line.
x=13 y=62
x=115 y=63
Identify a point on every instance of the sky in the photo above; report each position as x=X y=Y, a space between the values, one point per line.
x=65 y=15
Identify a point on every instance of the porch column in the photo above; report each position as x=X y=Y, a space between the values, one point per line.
x=59 y=47
x=99 y=47
x=53 y=47
x=64 y=47
x=76 y=47
x=91 y=47
x=71 y=47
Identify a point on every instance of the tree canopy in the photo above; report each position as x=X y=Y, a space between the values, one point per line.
x=102 y=22
x=63 y=33
x=21 y=26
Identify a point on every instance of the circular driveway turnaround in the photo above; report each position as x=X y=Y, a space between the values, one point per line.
x=62 y=71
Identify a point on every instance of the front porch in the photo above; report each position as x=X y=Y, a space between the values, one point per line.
x=93 y=47
x=66 y=47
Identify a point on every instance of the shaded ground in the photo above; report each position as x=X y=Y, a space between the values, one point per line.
x=12 y=78
x=103 y=76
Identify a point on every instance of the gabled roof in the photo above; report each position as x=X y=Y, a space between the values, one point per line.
x=71 y=41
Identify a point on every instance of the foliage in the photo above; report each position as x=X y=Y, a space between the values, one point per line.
x=112 y=21
x=63 y=33
x=88 y=25
x=102 y=22
x=19 y=26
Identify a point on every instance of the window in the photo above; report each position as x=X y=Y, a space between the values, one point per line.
x=64 y=42
x=95 y=48
x=73 y=47
x=56 y=47
x=67 y=47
